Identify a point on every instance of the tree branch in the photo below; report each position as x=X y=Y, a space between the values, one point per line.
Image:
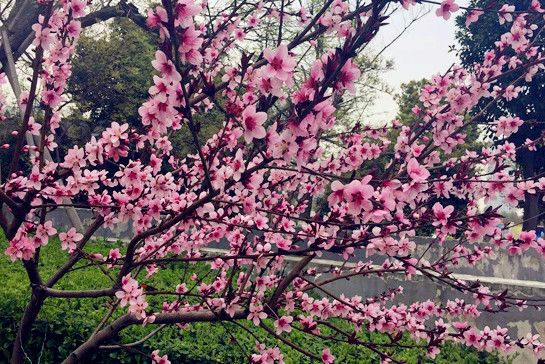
x=288 y=279
x=121 y=323
x=50 y=292
x=133 y=344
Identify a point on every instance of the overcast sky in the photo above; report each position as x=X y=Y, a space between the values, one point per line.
x=420 y=52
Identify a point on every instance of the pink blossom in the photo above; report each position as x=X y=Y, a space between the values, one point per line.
x=43 y=232
x=190 y=42
x=417 y=172
x=349 y=73
x=327 y=358
x=505 y=126
x=51 y=99
x=69 y=239
x=74 y=29
x=185 y=10
x=74 y=159
x=471 y=338
x=253 y=20
x=156 y=359
x=358 y=195
x=43 y=36
x=166 y=67
x=239 y=34
x=114 y=254
x=505 y=13
x=337 y=193
x=283 y=324
x=253 y=124
x=447 y=7
x=256 y=314
x=78 y=8
x=482 y=295
x=280 y=63
x=473 y=16
x=536 y=6
x=442 y=214
x=156 y=17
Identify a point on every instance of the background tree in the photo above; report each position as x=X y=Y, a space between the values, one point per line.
x=110 y=74
x=407 y=99
x=18 y=16
x=475 y=39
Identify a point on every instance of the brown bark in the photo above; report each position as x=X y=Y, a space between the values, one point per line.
x=531 y=201
x=93 y=343
x=29 y=316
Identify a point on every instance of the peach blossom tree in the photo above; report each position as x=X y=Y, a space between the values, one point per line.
x=264 y=184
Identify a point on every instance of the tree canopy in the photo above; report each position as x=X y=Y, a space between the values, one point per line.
x=475 y=41
x=111 y=73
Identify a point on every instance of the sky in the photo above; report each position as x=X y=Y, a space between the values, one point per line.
x=420 y=52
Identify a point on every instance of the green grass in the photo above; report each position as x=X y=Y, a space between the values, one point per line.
x=65 y=323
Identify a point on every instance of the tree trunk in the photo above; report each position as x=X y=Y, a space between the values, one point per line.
x=531 y=201
x=531 y=212
x=29 y=316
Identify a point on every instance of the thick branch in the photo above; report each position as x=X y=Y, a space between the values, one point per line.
x=74 y=258
x=288 y=279
x=50 y=292
x=112 y=330
x=123 y=9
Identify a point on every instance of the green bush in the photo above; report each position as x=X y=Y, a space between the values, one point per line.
x=65 y=323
